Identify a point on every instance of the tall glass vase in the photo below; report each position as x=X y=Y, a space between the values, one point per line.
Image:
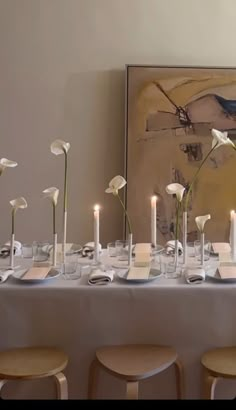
x=12 y=251
x=176 y=254
x=185 y=224
x=130 y=245
x=54 y=257
x=202 y=246
x=172 y=267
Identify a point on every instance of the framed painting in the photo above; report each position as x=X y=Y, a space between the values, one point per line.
x=170 y=112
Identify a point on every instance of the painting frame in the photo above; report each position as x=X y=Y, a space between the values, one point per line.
x=135 y=69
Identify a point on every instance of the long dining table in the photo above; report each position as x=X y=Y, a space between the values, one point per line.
x=80 y=318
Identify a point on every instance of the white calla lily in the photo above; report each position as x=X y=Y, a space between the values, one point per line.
x=52 y=194
x=201 y=220
x=176 y=189
x=6 y=163
x=59 y=147
x=220 y=138
x=18 y=203
x=115 y=184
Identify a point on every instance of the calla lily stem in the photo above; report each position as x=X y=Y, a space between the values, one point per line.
x=13 y=212
x=127 y=216
x=195 y=176
x=54 y=218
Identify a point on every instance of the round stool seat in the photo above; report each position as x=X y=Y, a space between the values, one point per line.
x=221 y=361
x=31 y=362
x=136 y=362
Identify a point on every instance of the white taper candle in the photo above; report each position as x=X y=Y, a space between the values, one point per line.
x=233 y=234
x=154 y=220
x=96 y=232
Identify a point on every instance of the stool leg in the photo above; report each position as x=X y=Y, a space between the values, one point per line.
x=132 y=390
x=179 y=374
x=209 y=385
x=61 y=384
x=93 y=379
x=2 y=382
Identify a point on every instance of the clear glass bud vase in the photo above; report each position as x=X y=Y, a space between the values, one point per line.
x=172 y=267
x=185 y=228
x=130 y=246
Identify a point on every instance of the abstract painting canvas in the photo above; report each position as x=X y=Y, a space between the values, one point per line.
x=169 y=117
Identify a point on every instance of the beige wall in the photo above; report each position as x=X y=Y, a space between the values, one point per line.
x=62 y=75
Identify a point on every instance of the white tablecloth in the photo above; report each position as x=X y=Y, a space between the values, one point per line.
x=80 y=318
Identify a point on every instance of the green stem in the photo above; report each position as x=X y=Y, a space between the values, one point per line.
x=65 y=184
x=177 y=220
x=127 y=216
x=13 y=221
x=195 y=176
x=54 y=218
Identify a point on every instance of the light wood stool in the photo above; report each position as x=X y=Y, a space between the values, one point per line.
x=217 y=363
x=134 y=363
x=28 y=363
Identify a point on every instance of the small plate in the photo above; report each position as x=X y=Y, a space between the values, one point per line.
x=213 y=274
x=154 y=274
x=19 y=276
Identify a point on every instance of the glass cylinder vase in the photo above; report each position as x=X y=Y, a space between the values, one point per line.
x=130 y=245
x=185 y=222
x=171 y=264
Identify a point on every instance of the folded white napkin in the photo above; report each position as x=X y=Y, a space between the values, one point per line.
x=6 y=248
x=194 y=275
x=91 y=245
x=4 y=275
x=99 y=277
x=170 y=247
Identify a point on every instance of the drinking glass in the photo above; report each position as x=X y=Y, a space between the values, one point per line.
x=122 y=250
x=190 y=250
x=169 y=267
x=27 y=250
x=41 y=251
x=207 y=250
x=70 y=268
x=157 y=260
x=111 y=249
x=156 y=249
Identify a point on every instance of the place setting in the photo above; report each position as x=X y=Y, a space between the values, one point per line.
x=33 y=264
x=30 y=265
x=145 y=266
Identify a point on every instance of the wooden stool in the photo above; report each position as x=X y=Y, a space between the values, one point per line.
x=133 y=363
x=30 y=363
x=218 y=363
